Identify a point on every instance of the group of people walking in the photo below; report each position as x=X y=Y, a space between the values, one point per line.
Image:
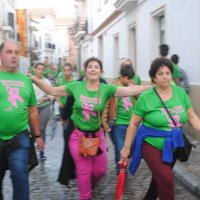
x=132 y=114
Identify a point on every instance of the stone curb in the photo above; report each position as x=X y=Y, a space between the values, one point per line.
x=189 y=179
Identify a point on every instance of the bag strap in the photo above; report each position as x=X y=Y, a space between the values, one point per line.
x=174 y=122
x=99 y=118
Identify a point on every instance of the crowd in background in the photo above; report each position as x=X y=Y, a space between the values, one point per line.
x=118 y=117
x=129 y=112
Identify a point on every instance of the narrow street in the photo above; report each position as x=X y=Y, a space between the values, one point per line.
x=44 y=185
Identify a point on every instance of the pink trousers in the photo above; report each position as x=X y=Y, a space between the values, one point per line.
x=89 y=170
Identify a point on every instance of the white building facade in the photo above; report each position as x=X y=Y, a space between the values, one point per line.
x=9 y=28
x=48 y=40
x=135 y=29
x=7 y=20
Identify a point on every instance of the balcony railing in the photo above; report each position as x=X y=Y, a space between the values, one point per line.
x=35 y=45
x=7 y=28
x=50 y=46
x=79 y=29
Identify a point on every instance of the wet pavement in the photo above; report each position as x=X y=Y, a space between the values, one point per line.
x=44 y=185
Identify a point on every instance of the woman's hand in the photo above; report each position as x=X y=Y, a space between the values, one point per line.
x=123 y=163
x=40 y=143
x=31 y=76
x=45 y=98
x=107 y=130
x=125 y=153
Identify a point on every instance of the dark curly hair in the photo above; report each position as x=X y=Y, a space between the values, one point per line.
x=127 y=71
x=175 y=58
x=93 y=59
x=164 y=48
x=157 y=64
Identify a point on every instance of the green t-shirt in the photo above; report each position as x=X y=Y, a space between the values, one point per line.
x=177 y=72
x=124 y=110
x=51 y=75
x=137 y=80
x=63 y=81
x=149 y=106
x=87 y=103
x=16 y=96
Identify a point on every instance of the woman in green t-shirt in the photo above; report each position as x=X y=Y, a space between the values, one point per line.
x=156 y=124
x=90 y=99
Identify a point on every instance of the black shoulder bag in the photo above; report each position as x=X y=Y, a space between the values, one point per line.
x=182 y=153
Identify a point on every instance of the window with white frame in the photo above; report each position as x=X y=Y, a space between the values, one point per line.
x=99 y=5
x=116 y=59
x=100 y=47
x=162 y=29
x=132 y=50
x=47 y=40
x=158 y=30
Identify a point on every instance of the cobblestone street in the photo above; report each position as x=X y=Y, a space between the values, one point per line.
x=44 y=185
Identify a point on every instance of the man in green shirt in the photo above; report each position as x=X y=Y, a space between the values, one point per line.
x=180 y=76
x=17 y=108
x=51 y=73
x=67 y=72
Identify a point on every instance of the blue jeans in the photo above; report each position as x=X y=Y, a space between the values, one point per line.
x=16 y=159
x=118 y=135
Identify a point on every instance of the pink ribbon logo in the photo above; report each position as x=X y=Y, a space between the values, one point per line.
x=177 y=120
x=127 y=103
x=14 y=96
x=87 y=110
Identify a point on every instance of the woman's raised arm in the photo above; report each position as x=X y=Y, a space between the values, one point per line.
x=131 y=90
x=47 y=88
